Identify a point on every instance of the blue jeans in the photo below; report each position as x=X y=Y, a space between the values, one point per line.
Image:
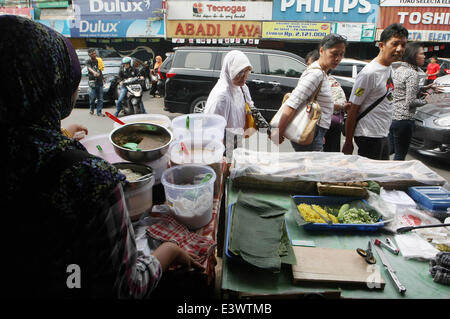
x=316 y=145
x=122 y=95
x=96 y=93
x=400 y=134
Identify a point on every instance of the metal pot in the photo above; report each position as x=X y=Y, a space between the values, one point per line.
x=138 y=194
x=143 y=156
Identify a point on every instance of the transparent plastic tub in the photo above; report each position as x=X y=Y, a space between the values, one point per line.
x=159 y=119
x=203 y=152
x=200 y=126
x=188 y=196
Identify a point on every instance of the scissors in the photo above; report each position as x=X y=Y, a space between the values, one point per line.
x=367 y=254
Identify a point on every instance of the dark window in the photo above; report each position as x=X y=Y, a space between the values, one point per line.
x=254 y=58
x=193 y=60
x=285 y=66
x=343 y=69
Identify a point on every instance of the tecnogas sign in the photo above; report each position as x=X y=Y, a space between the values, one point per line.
x=326 y=10
x=115 y=9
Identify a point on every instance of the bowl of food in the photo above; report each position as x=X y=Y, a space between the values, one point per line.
x=140 y=142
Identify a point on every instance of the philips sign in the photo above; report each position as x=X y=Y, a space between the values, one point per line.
x=325 y=10
x=117 y=9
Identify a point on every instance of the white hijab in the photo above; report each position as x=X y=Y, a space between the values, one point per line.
x=227 y=99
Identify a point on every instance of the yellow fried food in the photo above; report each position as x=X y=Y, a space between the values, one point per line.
x=310 y=215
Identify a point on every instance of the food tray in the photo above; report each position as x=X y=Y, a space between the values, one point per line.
x=335 y=200
x=228 y=253
x=432 y=197
x=332 y=189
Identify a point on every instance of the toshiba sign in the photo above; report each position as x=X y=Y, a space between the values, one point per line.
x=415 y=18
x=219 y=10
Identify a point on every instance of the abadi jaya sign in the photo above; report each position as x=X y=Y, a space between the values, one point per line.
x=325 y=10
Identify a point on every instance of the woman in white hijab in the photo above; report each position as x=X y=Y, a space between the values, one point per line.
x=229 y=95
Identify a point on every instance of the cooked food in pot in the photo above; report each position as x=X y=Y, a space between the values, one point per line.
x=145 y=140
x=130 y=174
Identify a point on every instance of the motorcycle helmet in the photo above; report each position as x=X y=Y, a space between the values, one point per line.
x=126 y=60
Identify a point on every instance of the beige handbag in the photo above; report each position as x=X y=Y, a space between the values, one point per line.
x=302 y=127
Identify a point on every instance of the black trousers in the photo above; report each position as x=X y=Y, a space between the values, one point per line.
x=376 y=148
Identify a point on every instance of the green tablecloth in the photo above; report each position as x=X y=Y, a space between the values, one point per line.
x=239 y=277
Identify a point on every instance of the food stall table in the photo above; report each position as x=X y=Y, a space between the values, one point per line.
x=240 y=279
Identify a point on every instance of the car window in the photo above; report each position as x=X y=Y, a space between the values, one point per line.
x=285 y=66
x=193 y=60
x=254 y=58
x=166 y=65
x=344 y=69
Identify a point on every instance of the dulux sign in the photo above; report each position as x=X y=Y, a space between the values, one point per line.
x=325 y=10
x=115 y=9
x=118 y=28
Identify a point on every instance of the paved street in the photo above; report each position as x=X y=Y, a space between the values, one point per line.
x=102 y=125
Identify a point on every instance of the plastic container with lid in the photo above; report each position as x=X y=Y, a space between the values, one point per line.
x=204 y=152
x=199 y=126
x=189 y=193
x=159 y=119
x=99 y=145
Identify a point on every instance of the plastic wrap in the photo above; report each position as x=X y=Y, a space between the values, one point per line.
x=328 y=167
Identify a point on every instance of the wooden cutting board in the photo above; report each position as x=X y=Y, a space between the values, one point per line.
x=340 y=266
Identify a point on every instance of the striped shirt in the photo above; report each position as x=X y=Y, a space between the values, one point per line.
x=305 y=89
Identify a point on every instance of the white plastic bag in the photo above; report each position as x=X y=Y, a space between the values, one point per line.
x=411 y=245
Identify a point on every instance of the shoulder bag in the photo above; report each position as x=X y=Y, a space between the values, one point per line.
x=302 y=127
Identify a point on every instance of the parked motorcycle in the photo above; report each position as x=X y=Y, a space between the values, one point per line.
x=133 y=104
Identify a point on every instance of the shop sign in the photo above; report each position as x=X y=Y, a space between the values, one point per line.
x=213 y=29
x=415 y=3
x=295 y=30
x=355 y=32
x=117 y=28
x=51 y=4
x=23 y=12
x=424 y=35
x=223 y=10
x=61 y=26
x=116 y=9
x=420 y=18
x=326 y=10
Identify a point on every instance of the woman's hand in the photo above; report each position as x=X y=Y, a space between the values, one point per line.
x=276 y=137
x=170 y=255
x=78 y=131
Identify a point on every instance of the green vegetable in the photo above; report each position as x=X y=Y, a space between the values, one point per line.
x=355 y=216
x=342 y=210
x=374 y=187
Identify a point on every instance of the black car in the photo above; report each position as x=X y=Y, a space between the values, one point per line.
x=162 y=71
x=110 y=73
x=195 y=71
x=432 y=130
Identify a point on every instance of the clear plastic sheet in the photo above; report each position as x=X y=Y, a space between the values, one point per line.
x=327 y=167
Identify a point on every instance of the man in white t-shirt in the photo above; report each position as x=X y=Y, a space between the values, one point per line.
x=374 y=84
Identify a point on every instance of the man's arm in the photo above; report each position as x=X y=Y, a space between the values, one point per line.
x=350 y=125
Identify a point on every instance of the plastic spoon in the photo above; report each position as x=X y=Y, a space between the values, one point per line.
x=115 y=119
x=132 y=146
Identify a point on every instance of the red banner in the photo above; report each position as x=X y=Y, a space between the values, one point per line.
x=415 y=18
x=24 y=12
